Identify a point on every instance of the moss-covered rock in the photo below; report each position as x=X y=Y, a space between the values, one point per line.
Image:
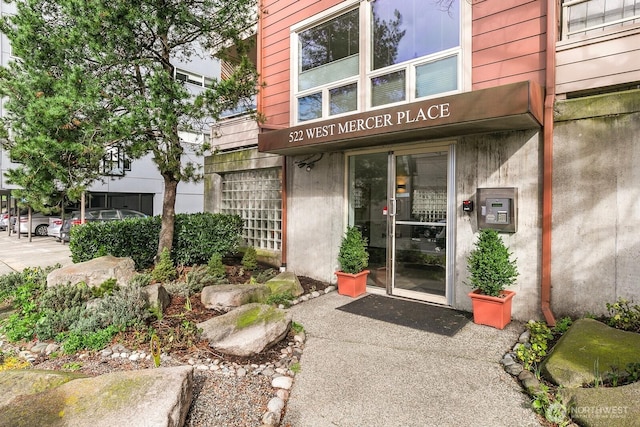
x=604 y=406
x=285 y=282
x=589 y=349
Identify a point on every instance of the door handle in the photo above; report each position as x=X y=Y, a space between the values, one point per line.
x=392 y=212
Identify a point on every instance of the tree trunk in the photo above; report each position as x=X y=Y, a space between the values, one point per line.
x=168 y=215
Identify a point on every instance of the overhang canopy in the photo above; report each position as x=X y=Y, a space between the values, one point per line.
x=515 y=106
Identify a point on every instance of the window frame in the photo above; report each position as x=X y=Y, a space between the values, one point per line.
x=593 y=31
x=364 y=98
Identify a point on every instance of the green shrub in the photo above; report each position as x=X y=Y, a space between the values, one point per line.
x=623 y=315
x=265 y=276
x=490 y=265
x=198 y=278
x=215 y=267
x=353 y=256
x=9 y=283
x=196 y=237
x=165 y=270
x=106 y=288
x=24 y=298
x=283 y=298
x=538 y=344
x=250 y=259
x=75 y=341
x=60 y=307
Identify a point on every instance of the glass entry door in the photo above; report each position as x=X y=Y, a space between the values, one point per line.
x=400 y=200
x=418 y=221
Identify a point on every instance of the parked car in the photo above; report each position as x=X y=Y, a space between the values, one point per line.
x=39 y=223
x=97 y=214
x=55 y=225
x=4 y=218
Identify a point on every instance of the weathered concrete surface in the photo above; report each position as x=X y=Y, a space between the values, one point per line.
x=94 y=272
x=149 y=397
x=231 y=296
x=285 y=282
x=604 y=406
x=247 y=330
x=588 y=348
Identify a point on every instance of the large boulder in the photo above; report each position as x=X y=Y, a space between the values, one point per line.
x=604 y=406
x=225 y=297
x=587 y=349
x=247 y=330
x=94 y=272
x=149 y=397
x=285 y=282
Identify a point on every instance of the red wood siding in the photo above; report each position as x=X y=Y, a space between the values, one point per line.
x=508 y=42
x=275 y=52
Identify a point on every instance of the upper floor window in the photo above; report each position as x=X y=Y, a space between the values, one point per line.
x=378 y=53
x=592 y=17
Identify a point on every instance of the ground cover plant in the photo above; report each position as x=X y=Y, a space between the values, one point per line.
x=80 y=318
x=546 y=400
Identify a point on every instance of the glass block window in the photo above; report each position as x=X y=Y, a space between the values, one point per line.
x=256 y=197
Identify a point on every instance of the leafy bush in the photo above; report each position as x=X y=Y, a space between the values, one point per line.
x=28 y=288
x=9 y=283
x=490 y=264
x=196 y=237
x=75 y=341
x=536 y=350
x=106 y=288
x=250 y=259
x=623 y=315
x=164 y=270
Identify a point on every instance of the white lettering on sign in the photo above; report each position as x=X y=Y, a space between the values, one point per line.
x=379 y=121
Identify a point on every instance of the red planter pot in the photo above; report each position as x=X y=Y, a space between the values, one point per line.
x=492 y=311
x=352 y=285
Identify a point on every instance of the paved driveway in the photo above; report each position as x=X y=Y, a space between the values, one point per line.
x=16 y=254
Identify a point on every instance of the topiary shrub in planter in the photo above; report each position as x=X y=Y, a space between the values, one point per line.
x=491 y=271
x=353 y=259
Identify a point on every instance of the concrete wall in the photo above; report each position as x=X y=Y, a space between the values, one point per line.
x=596 y=203
x=315 y=215
x=502 y=160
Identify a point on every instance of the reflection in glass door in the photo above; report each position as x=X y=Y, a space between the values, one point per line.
x=399 y=200
x=419 y=224
x=368 y=182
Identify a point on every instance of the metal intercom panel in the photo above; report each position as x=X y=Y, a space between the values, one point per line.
x=498 y=208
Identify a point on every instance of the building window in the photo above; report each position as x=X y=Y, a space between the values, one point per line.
x=257 y=198
x=192 y=78
x=592 y=17
x=412 y=52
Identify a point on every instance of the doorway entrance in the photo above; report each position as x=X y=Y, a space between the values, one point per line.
x=400 y=200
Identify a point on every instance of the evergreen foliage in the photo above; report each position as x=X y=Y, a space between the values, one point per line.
x=353 y=256
x=490 y=264
x=101 y=74
x=250 y=259
x=165 y=270
x=215 y=267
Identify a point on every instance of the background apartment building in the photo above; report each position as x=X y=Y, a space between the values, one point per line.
x=134 y=184
x=391 y=115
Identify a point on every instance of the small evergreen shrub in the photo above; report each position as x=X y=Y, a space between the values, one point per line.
x=198 y=278
x=490 y=264
x=106 y=288
x=215 y=267
x=165 y=270
x=353 y=256
x=250 y=259
x=265 y=276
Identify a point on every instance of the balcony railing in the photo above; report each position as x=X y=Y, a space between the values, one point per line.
x=592 y=17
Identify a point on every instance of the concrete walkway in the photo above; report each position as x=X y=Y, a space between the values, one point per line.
x=16 y=254
x=359 y=372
